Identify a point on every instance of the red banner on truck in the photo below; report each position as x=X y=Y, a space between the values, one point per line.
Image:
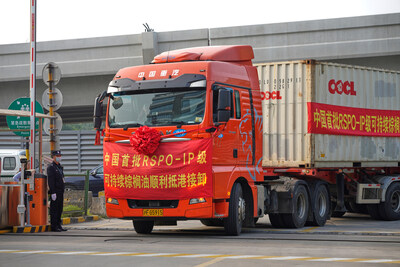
x=177 y=170
x=339 y=120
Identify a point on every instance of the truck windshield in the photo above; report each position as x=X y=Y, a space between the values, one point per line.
x=157 y=108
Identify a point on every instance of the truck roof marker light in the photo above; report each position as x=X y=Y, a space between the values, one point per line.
x=201 y=83
x=112 y=89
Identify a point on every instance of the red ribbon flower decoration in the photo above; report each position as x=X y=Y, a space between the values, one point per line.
x=145 y=140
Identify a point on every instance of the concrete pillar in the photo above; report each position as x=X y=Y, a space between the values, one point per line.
x=149 y=46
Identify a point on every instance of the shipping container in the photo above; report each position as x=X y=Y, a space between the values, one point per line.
x=319 y=114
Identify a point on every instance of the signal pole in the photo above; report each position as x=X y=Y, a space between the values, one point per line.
x=51 y=109
x=32 y=77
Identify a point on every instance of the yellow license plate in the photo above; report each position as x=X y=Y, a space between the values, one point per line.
x=153 y=212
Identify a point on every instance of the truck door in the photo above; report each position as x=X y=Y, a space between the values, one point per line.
x=226 y=145
x=245 y=128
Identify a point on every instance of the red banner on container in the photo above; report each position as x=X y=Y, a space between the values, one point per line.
x=177 y=170
x=339 y=120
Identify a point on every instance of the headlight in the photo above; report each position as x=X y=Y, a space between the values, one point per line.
x=197 y=200
x=112 y=201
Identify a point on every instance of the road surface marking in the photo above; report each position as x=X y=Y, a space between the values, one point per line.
x=215 y=257
x=331 y=259
x=208 y=263
x=154 y=255
x=309 y=229
x=74 y=252
x=377 y=261
x=285 y=258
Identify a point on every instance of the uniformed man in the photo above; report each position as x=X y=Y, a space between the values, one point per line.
x=55 y=176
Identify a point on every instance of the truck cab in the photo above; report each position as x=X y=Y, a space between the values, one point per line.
x=206 y=93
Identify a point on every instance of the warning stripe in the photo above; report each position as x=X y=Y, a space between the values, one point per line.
x=203 y=256
x=31 y=229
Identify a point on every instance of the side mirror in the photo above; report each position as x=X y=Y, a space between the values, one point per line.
x=93 y=173
x=224 y=105
x=98 y=113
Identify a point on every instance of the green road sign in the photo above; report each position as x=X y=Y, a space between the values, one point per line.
x=22 y=123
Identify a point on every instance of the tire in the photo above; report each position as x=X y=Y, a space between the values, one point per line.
x=301 y=206
x=143 y=227
x=373 y=211
x=276 y=220
x=237 y=211
x=212 y=222
x=352 y=206
x=321 y=205
x=390 y=209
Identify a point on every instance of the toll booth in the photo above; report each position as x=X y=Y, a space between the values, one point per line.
x=38 y=209
x=9 y=200
x=36 y=202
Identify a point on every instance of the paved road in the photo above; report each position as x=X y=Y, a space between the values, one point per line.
x=354 y=240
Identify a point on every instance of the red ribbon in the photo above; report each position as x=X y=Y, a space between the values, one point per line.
x=145 y=140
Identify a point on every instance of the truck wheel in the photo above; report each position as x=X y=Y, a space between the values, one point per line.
x=321 y=206
x=390 y=209
x=373 y=211
x=276 y=220
x=237 y=210
x=143 y=227
x=352 y=206
x=298 y=218
x=212 y=222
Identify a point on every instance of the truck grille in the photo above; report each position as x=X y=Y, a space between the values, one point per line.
x=138 y=204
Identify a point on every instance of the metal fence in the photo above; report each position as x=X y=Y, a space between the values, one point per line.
x=79 y=152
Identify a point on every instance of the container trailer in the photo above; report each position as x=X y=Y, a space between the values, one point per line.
x=202 y=133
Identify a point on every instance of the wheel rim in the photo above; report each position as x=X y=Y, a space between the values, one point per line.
x=301 y=206
x=322 y=205
x=241 y=209
x=395 y=201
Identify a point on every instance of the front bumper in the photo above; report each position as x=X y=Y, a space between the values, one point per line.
x=182 y=211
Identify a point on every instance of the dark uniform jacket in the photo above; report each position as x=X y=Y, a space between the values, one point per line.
x=55 y=177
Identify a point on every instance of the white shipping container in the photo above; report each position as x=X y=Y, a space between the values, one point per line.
x=319 y=114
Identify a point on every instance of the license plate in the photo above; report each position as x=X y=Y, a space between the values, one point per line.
x=153 y=212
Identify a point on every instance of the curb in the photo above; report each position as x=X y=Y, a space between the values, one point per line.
x=47 y=228
x=31 y=229
x=5 y=231
x=70 y=220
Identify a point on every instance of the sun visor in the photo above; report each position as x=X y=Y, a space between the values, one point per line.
x=237 y=53
x=176 y=57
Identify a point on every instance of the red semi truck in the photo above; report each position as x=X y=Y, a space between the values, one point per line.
x=202 y=133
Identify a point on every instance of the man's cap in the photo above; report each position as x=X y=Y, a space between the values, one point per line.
x=56 y=153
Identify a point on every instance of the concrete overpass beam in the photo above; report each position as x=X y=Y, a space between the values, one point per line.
x=149 y=46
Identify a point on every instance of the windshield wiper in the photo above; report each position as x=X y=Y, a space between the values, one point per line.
x=136 y=124
x=178 y=123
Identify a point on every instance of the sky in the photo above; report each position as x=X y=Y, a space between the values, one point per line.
x=75 y=19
